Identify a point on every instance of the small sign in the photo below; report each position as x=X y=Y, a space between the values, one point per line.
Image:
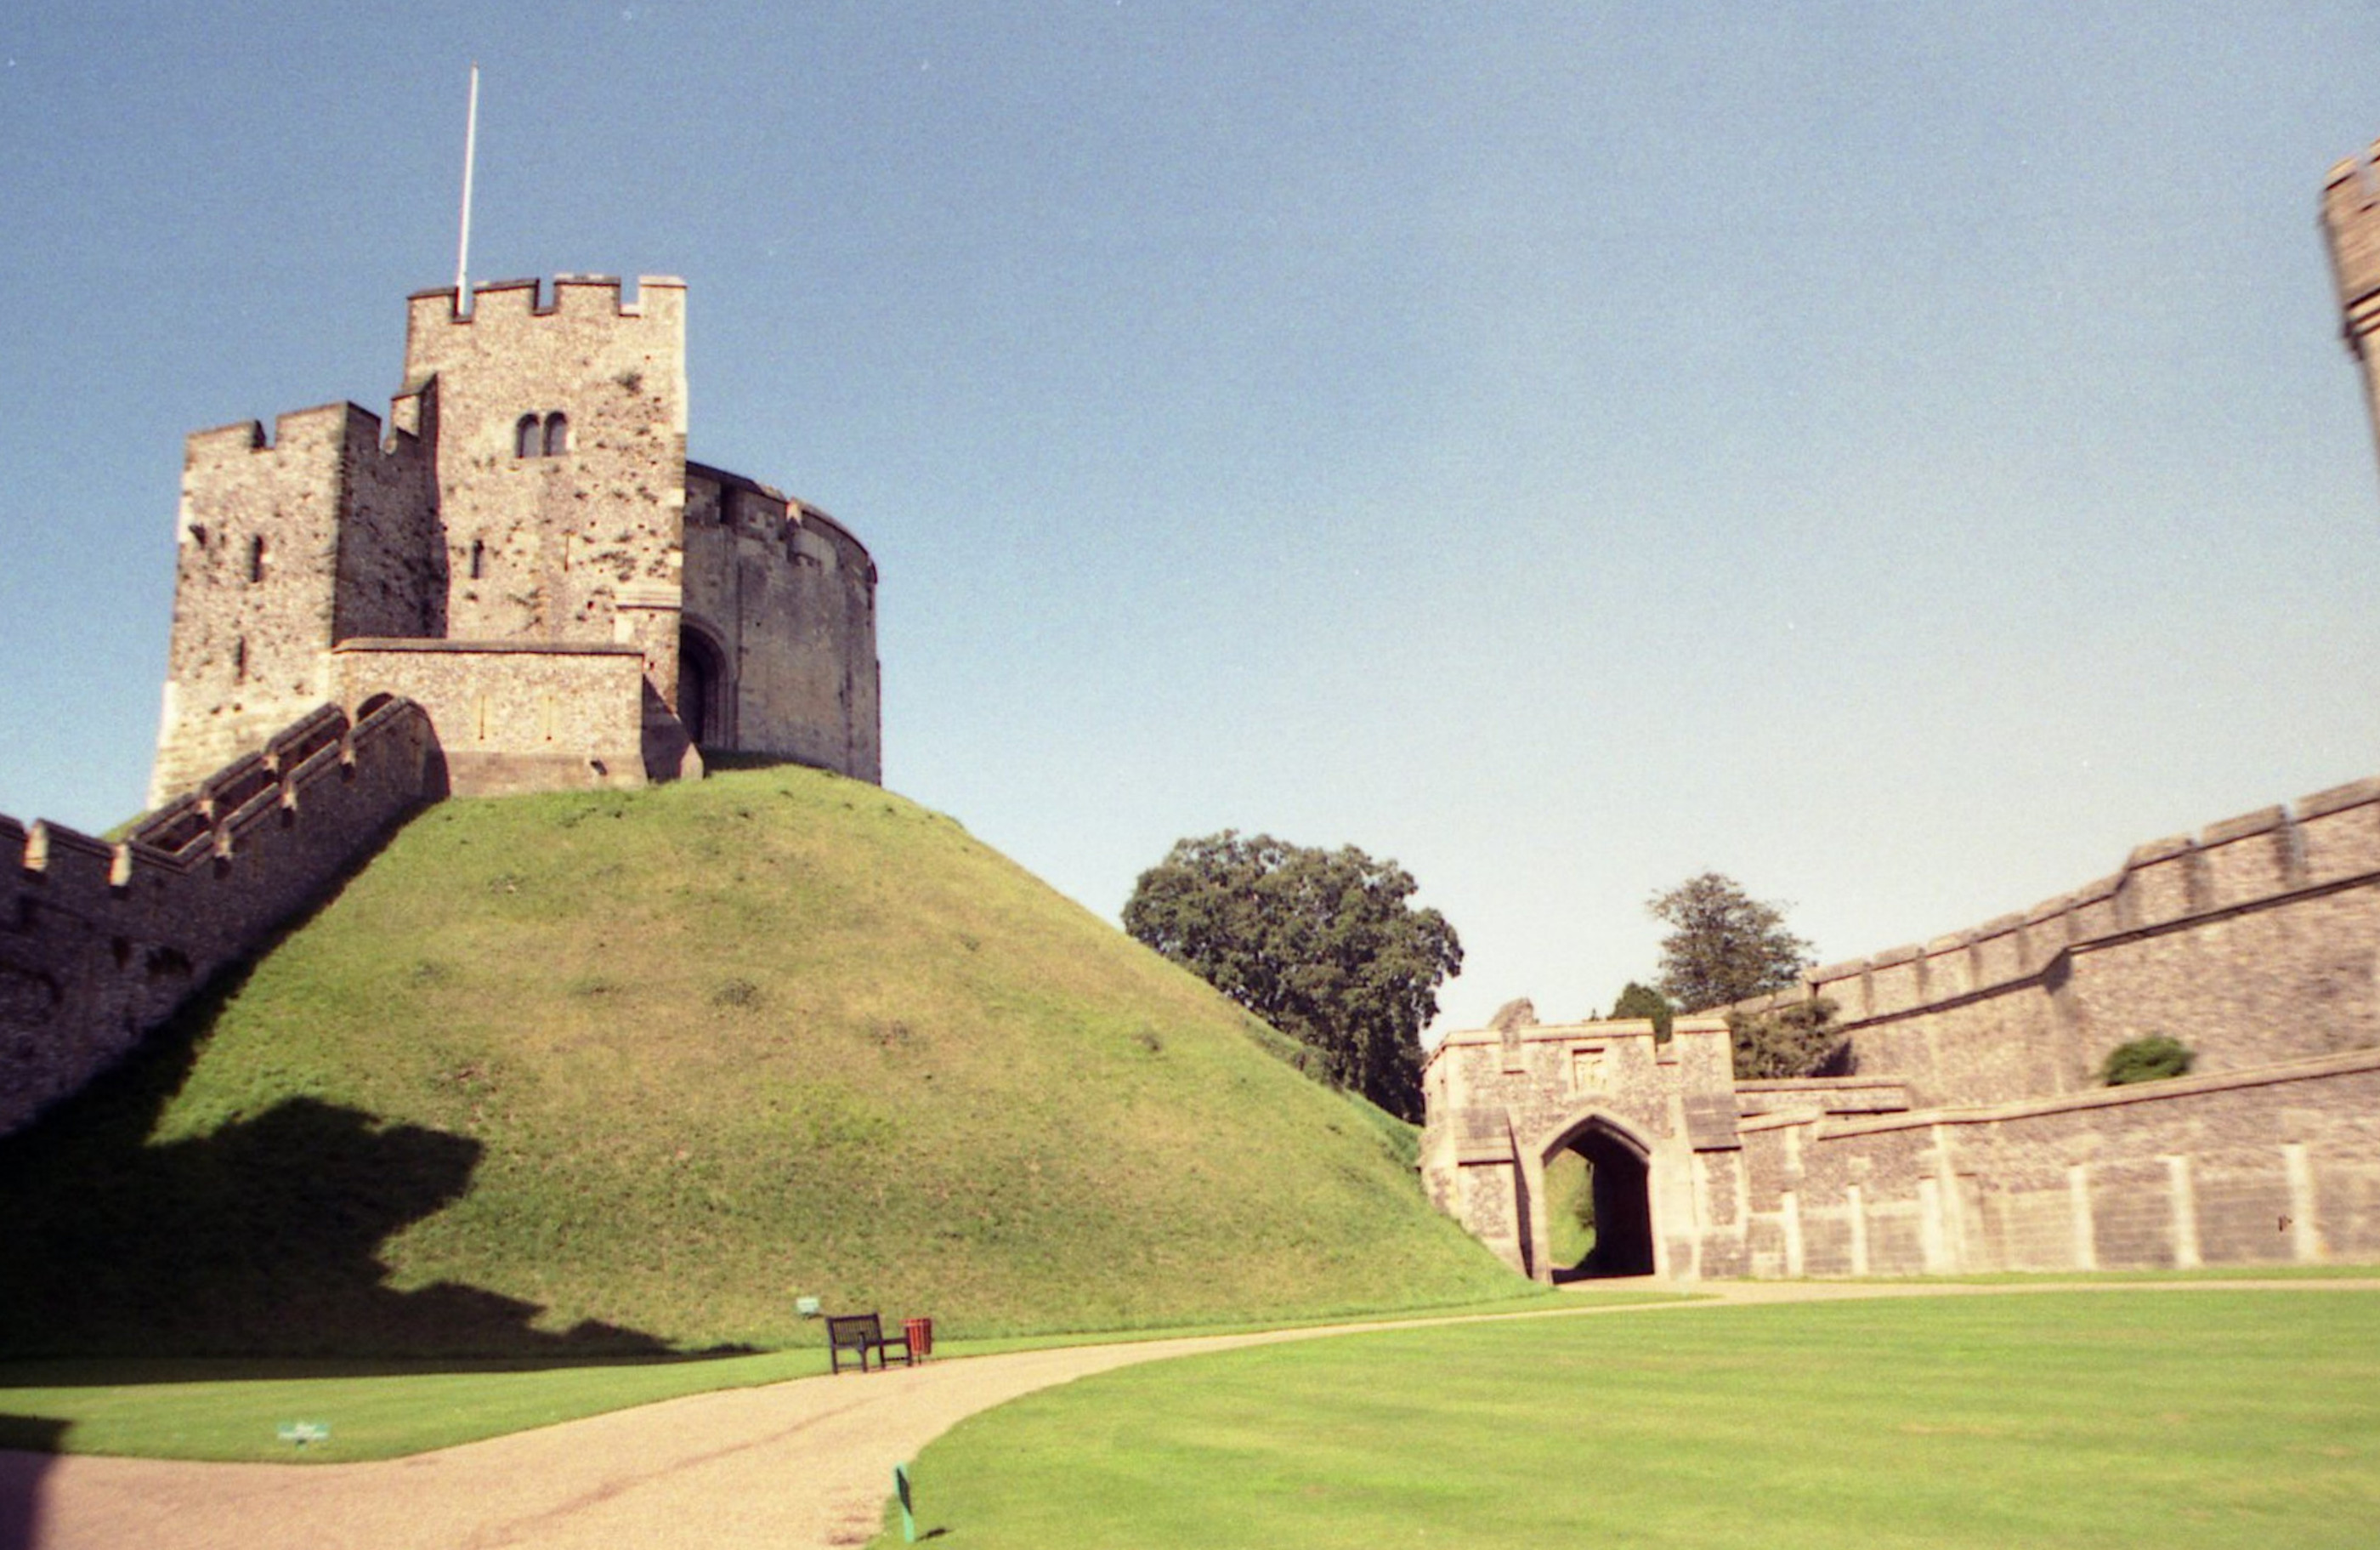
x=908 y=1517
x=808 y=1307
x=304 y=1432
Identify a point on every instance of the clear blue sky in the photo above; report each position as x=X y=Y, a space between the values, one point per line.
x=1900 y=454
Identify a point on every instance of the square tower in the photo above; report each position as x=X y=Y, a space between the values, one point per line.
x=561 y=459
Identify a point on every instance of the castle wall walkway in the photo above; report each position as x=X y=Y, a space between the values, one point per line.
x=100 y=942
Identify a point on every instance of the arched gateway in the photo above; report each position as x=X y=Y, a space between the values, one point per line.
x=1525 y=1119
x=1596 y=1173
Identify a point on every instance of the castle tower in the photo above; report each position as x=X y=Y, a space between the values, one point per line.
x=527 y=557
x=2351 y=219
x=284 y=545
x=561 y=459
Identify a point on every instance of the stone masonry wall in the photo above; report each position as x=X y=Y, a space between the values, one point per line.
x=584 y=543
x=2351 y=219
x=510 y=716
x=98 y=943
x=258 y=561
x=788 y=598
x=392 y=567
x=2277 y=1165
x=2256 y=941
x=1501 y=1101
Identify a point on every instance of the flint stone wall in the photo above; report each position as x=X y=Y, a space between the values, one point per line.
x=2276 y=1166
x=511 y=715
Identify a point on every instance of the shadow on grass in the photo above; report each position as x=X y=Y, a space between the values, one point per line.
x=258 y=1240
x=35 y=1438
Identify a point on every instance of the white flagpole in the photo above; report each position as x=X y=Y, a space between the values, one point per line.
x=463 y=248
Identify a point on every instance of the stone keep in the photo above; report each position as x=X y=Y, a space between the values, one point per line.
x=523 y=551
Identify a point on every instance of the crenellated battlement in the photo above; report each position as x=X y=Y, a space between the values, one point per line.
x=1972 y=1130
x=308 y=433
x=2182 y=907
x=100 y=942
x=506 y=304
x=2256 y=861
x=327 y=443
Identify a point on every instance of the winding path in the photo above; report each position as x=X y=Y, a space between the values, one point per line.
x=805 y=1464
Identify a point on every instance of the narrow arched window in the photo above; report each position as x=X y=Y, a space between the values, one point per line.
x=524 y=442
x=478 y=558
x=256 y=558
x=557 y=436
x=239 y=660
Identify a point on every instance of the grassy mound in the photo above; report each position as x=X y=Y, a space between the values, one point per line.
x=618 y=1071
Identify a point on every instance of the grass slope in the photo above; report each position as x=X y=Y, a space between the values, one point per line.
x=593 y=1072
x=2163 y=1420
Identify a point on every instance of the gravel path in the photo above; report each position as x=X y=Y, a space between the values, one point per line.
x=795 y=1466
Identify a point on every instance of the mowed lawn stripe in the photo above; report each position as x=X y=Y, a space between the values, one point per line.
x=2213 y=1418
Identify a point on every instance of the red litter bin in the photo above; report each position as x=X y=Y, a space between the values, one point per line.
x=921 y=1338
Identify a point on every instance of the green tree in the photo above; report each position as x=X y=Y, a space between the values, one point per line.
x=1321 y=944
x=1799 y=1039
x=1643 y=1001
x=1724 y=945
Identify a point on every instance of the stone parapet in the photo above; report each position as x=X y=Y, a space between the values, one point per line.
x=514 y=715
x=2252 y=941
x=100 y=942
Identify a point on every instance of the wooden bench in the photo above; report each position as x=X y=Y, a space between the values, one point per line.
x=859 y=1334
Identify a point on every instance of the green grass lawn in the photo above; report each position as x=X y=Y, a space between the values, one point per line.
x=227 y=1410
x=2207 y=1419
x=2203 y=1272
x=231 y=1410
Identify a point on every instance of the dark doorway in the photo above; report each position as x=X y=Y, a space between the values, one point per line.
x=1598 y=1208
x=701 y=689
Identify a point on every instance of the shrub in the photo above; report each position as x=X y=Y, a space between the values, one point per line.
x=2153 y=1058
x=1799 y=1039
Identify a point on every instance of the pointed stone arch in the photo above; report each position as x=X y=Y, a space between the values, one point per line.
x=706 y=686
x=1626 y=1241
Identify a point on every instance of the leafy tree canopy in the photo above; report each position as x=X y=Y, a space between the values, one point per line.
x=1320 y=944
x=1643 y=1001
x=1724 y=945
x=1799 y=1039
